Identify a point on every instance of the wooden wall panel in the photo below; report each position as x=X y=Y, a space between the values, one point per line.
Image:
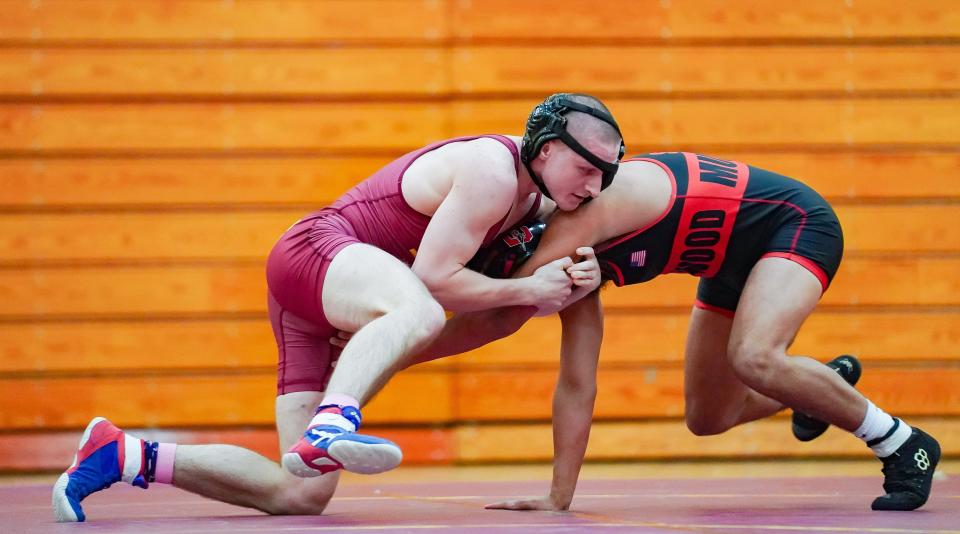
x=219 y=127
x=77 y=347
x=151 y=154
x=666 y=439
x=179 y=181
x=689 y=124
x=178 y=289
x=740 y=19
x=477 y=396
x=704 y=124
x=222 y=73
x=213 y=20
x=317 y=181
x=735 y=71
x=196 y=400
x=651 y=338
x=368 y=72
x=879 y=338
x=700 y=19
x=633 y=393
x=189 y=21
x=871 y=176
x=146 y=236
x=241 y=288
x=249 y=235
x=899 y=280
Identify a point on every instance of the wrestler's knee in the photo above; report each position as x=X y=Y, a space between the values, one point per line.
x=701 y=420
x=297 y=496
x=755 y=364
x=428 y=318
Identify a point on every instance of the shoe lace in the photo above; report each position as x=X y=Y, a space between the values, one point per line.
x=900 y=474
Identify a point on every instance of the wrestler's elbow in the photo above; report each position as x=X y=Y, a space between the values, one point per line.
x=437 y=281
x=509 y=319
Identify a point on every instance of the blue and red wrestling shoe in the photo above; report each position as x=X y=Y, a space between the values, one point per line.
x=334 y=444
x=106 y=455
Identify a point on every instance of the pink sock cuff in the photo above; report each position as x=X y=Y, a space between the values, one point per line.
x=340 y=400
x=166 y=453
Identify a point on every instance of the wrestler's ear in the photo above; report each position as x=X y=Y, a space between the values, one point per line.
x=502 y=257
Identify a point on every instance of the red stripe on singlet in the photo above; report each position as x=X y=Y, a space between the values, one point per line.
x=708 y=193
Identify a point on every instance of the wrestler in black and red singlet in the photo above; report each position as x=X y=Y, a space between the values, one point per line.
x=723 y=217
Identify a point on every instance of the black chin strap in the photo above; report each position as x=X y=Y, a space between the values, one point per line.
x=609 y=169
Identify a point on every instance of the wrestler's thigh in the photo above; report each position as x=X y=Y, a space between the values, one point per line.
x=364 y=282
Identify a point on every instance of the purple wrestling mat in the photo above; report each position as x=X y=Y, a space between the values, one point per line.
x=710 y=505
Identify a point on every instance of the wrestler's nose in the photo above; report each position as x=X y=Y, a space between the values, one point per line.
x=593 y=189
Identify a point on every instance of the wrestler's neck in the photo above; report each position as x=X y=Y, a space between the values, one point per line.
x=525 y=184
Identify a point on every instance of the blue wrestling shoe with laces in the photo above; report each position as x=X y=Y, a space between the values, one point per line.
x=106 y=455
x=334 y=444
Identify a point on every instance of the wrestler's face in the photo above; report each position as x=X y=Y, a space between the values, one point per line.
x=570 y=178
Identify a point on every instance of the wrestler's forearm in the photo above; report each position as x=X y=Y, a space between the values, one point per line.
x=468 y=291
x=572 y=417
x=575 y=394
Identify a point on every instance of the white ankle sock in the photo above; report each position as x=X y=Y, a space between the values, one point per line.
x=332 y=416
x=881 y=432
x=132 y=458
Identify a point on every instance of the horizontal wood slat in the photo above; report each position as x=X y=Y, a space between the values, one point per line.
x=161 y=182
x=671 y=439
x=641 y=338
x=691 y=123
x=225 y=74
x=317 y=181
x=198 y=400
x=413 y=397
x=659 y=337
x=220 y=127
x=652 y=392
x=728 y=70
x=860 y=281
x=188 y=21
x=52 y=450
x=738 y=19
x=474 y=70
x=242 y=288
x=656 y=124
x=185 y=21
x=251 y=235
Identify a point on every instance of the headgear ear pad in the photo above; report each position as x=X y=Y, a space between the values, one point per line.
x=505 y=255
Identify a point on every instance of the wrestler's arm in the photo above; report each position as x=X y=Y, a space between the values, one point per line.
x=467 y=331
x=573 y=402
x=482 y=193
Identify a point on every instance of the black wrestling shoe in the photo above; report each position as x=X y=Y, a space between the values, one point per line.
x=806 y=428
x=908 y=473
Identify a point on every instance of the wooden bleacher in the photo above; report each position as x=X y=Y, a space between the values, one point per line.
x=151 y=154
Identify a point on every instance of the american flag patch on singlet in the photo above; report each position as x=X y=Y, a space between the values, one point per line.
x=638 y=258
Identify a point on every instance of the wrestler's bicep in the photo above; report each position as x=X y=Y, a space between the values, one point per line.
x=457 y=229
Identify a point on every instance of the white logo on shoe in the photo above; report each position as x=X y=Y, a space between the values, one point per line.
x=923 y=461
x=322 y=461
x=320 y=436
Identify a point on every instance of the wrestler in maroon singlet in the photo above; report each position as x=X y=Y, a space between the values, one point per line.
x=373 y=212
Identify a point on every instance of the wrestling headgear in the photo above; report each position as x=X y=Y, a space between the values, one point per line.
x=547 y=121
